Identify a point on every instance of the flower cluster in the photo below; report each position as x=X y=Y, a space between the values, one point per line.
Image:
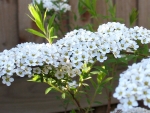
x=134 y=85
x=66 y=58
x=23 y=59
x=56 y=5
x=133 y=110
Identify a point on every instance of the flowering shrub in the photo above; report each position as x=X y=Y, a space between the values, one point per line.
x=138 y=77
x=69 y=54
x=57 y=64
x=67 y=64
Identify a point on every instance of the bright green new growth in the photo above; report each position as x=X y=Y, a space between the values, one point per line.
x=48 y=33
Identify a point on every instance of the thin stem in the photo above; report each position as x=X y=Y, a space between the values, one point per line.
x=86 y=72
x=136 y=54
x=110 y=92
x=109 y=102
x=66 y=107
x=93 y=98
x=55 y=87
x=133 y=54
x=76 y=101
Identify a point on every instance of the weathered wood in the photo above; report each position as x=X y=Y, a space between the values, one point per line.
x=25 y=22
x=124 y=8
x=101 y=8
x=8 y=24
x=23 y=97
x=144 y=13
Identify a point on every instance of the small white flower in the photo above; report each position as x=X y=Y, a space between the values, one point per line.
x=129 y=103
x=37 y=70
x=119 y=92
x=7 y=80
x=73 y=84
x=59 y=74
x=45 y=70
x=101 y=57
x=77 y=65
x=20 y=72
x=147 y=102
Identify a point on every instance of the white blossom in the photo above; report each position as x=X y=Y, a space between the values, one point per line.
x=56 y=5
x=7 y=80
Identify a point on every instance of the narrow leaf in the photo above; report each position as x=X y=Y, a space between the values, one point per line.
x=63 y=95
x=37 y=33
x=45 y=15
x=93 y=83
x=107 y=80
x=34 y=12
x=48 y=90
x=51 y=20
x=98 y=102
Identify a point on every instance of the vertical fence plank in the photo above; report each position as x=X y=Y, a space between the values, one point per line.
x=25 y=22
x=144 y=13
x=8 y=24
x=124 y=8
x=101 y=9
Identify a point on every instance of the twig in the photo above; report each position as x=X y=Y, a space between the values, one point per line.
x=76 y=101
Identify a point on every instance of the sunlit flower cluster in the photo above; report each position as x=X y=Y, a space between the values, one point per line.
x=66 y=57
x=26 y=59
x=115 y=37
x=56 y=5
x=133 y=110
x=134 y=85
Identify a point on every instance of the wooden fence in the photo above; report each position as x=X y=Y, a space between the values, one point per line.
x=26 y=97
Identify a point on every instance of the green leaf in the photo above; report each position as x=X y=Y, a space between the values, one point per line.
x=99 y=90
x=75 y=17
x=37 y=33
x=84 y=84
x=54 y=37
x=82 y=92
x=48 y=90
x=95 y=72
x=40 y=25
x=45 y=15
x=101 y=68
x=93 y=83
x=87 y=78
x=107 y=80
x=109 y=87
x=35 y=12
x=86 y=87
x=51 y=35
x=130 y=57
x=72 y=111
x=133 y=17
x=98 y=102
x=122 y=60
x=100 y=78
x=51 y=32
x=63 y=95
x=108 y=61
x=51 y=20
x=35 y=78
x=88 y=101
